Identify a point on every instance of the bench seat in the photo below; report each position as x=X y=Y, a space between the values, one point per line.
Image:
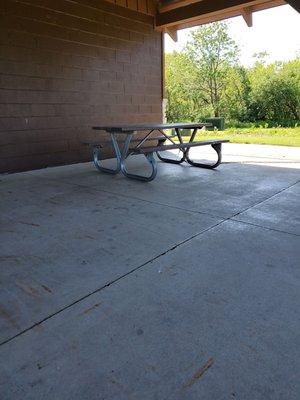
x=187 y=145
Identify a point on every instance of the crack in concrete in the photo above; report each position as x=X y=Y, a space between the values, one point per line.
x=108 y=284
x=181 y=208
x=232 y=217
x=139 y=199
x=265 y=227
x=266 y=199
x=147 y=262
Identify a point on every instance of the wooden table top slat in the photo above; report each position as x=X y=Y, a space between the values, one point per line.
x=132 y=128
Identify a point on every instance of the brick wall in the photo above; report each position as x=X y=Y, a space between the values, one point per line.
x=68 y=65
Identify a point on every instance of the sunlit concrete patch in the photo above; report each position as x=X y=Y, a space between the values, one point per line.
x=281 y=211
x=216 y=318
x=230 y=189
x=272 y=156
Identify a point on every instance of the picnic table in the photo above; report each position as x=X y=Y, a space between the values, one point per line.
x=124 y=142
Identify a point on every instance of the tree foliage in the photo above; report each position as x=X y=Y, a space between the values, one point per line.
x=275 y=91
x=183 y=100
x=206 y=79
x=213 y=53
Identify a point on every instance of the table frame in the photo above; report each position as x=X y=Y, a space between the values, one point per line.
x=122 y=153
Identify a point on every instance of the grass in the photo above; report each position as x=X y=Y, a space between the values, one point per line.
x=271 y=136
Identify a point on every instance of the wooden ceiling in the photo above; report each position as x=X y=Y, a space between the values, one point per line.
x=173 y=15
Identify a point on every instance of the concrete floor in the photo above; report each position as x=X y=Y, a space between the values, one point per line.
x=187 y=287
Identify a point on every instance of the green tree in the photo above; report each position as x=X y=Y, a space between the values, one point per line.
x=213 y=52
x=180 y=75
x=206 y=79
x=275 y=91
x=236 y=95
x=261 y=57
x=290 y=73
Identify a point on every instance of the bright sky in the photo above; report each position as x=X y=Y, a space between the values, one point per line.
x=276 y=31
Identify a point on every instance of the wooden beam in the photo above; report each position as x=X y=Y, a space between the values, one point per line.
x=206 y=19
x=214 y=10
x=167 y=5
x=295 y=4
x=172 y=32
x=247 y=15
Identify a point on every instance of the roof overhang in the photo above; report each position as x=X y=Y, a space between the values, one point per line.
x=173 y=15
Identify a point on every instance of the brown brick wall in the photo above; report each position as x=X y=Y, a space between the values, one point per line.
x=68 y=65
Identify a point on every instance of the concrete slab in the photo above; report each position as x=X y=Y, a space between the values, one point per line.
x=60 y=242
x=281 y=212
x=223 y=192
x=116 y=289
x=18 y=190
x=216 y=318
x=276 y=156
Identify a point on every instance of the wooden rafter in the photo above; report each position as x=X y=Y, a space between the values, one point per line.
x=172 y=32
x=295 y=4
x=208 y=11
x=167 y=5
x=247 y=15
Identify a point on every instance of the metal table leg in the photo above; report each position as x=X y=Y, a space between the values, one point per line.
x=96 y=156
x=217 y=147
x=149 y=157
x=170 y=160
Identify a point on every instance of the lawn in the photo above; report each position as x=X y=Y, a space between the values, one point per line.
x=274 y=136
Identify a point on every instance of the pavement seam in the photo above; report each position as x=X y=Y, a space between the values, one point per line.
x=266 y=163
x=266 y=199
x=136 y=198
x=278 y=159
x=232 y=218
x=110 y=283
x=155 y=257
x=265 y=227
x=185 y=209
x=119 y=278
x=139 y=199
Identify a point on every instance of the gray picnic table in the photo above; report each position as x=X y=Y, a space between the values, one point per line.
x=125 y=144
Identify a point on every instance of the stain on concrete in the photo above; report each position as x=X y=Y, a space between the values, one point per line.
x=46 y=288
x=28 y=223
x=36 y=382
x=198 y=374
x=5 y=315
x=13 y=258
x=28 y=290
x=90 y=309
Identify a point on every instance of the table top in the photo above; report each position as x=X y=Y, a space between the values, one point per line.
x=131 y=128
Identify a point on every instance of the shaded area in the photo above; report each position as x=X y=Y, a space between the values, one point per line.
x=184 y=288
